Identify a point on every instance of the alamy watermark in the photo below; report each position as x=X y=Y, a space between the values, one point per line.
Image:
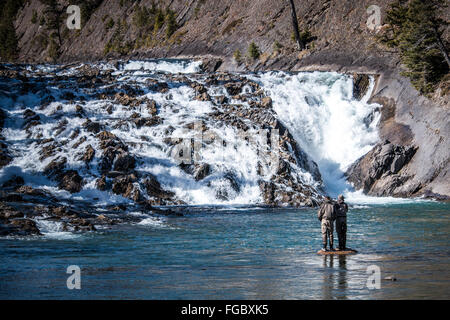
x=374 y=279
x=74 y=280
x=187 y=150
x=74 y=20
x=374 y=19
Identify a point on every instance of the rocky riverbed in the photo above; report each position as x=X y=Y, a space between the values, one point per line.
x=80 y=137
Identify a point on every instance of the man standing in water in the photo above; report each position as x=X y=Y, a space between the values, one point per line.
x=341 y=222
x=327 y=215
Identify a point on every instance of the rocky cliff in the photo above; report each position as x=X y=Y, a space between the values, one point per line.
x=417 y=159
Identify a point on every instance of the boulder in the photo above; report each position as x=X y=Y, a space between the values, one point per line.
x=70 y=181
x=124 y=163
x=154 y=189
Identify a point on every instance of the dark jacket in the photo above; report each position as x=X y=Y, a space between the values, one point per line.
x=341 y=209
x=327 y=211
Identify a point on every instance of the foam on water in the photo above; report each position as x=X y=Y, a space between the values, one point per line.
x=174 y=66
x=54 y=230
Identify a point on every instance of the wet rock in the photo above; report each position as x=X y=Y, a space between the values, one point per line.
x=361 y=84
x=2 y=118
x=203 y=97
x=266 y=102
x=267 y=191
x=147 y=122
x=28 y=190
x=152 y=107
x=79 y=142
x=211 y=64
x=234 y=88
x=13 y=183
x=7 y=212
x=122 y=183
x=154 y=189
x=88 y=154
x=55 y=167
x=70 y=181
x=93 y=127
x=5 y=157
x=123 y=98
x=221 y=99
x=155 y=85
x=202 y=171
x=124 y=163
x=100 y=184
x=24 y=227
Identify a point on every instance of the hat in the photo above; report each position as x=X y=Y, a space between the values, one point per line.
x=341 y=197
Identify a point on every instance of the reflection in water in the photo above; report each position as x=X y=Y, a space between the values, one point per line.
x=342 y=278
x=331 y=287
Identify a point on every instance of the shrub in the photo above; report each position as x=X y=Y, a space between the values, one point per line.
x=237 y=56
x=141 y=17
x=159 y=20
x=109 y=23
x=171 y=23
x=277 y=46
x=253 y=51
x=34 y=17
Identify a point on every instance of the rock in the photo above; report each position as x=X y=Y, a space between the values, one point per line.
x=93 y=127
x=361 y=84
x=155 y=85
x=100 y=184
x=123 y=98
x=14 y=182
x=27 y=190
x=7 y=212
x=2 y=118
x=25 y=227
x=211 y=64
x=266 y=102
x=55 y=167
x=202 y=171
x=221 y=99
x=234 y=88
x=152 y=107
x=5 y=158
x=88 y=154
x=379 y=172
x=203 y=97
x=70 y=181
x=147 y=122
x=124 y=163
x=154 y=189
x=124 y=186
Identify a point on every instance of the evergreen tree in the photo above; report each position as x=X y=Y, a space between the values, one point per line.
x=416 y=29
x=253 y=51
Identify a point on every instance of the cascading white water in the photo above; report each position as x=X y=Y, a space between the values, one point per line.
x=331 y=126
x=318 y=108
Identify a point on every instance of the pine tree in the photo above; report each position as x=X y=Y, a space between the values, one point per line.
x=253 y=51
x=415 y=29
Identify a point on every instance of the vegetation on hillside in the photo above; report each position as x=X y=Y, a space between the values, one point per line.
x=415 y=29
x=8 y=38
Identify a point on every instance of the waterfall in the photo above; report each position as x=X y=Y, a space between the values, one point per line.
x=329 y=126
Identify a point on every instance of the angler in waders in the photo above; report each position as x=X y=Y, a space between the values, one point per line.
x=327 y=215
